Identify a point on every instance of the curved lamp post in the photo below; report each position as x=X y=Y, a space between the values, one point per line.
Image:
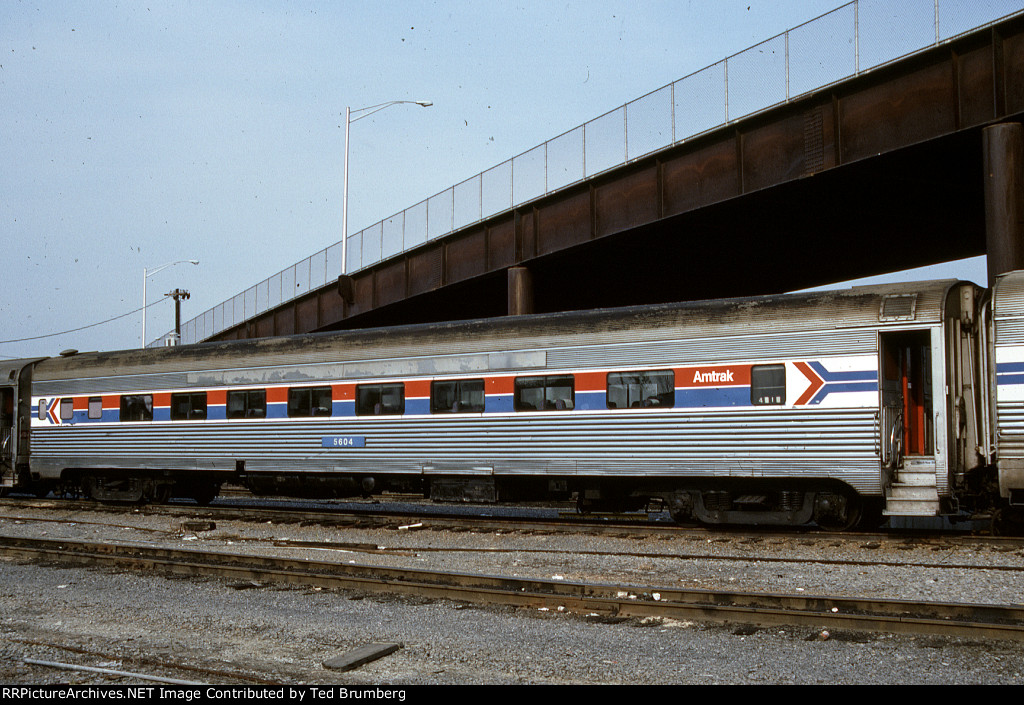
x=365 y=112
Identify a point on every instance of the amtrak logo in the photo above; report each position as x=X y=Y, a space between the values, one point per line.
x=717 y=376
x=710 y=377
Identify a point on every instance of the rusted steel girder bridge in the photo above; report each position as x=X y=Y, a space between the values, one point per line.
x=917 y=162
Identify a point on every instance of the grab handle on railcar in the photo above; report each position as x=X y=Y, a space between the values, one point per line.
x=896 y=440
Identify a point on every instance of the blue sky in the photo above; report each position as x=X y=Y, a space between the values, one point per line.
x=137 y=134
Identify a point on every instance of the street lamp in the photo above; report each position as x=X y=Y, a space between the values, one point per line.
x=366 y=112
x=146 y=274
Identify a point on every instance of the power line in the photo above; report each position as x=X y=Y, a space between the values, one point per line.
x=75 y=330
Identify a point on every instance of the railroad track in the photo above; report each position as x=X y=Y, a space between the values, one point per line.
x=376 y=518
x=602 y=601
x=353 y=515
x=358 y=547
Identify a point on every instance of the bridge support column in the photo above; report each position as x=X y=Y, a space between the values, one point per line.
x=520 y=291
x=1003 y=147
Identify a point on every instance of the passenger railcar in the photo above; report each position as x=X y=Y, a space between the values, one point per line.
x=833 y=407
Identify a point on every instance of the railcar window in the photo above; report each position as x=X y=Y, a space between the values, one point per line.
x=67 y=409
x=463 y=395
x=247 y=404
x=137 y=407
x=309 y=401
x=380 y=399
x=95 y=407
x=553 y=393
x=41 y=413
x=641 y=390
x=188 y=405
x=767 y=385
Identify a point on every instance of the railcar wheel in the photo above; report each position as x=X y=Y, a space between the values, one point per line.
x=162 y=494
x=680 y=508
x=837 y=511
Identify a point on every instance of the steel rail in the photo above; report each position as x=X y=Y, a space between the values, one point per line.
x=759 y=609
x=217 y=675
x=372 y=516
x=107 y=671
x=411 y=550
x=707 y=557
x=375 y=516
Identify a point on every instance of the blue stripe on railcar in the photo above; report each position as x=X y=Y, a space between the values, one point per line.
x=344 y=407
x=844 y=387
x=1009 y=373
x=591 y=400
x=690 y=397
x=843 y=381
x=498 y=404
x=417 y=406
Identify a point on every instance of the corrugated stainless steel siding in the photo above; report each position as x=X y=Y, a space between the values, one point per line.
x=821 y=443
x=1008 y=295
x=1009 y=331
x=1010 y=437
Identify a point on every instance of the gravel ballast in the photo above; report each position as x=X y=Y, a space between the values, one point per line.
x=241 y=632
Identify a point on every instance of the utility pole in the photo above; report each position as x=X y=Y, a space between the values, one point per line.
x=177 y=295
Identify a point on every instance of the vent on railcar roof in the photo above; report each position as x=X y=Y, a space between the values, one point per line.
x=898 y=307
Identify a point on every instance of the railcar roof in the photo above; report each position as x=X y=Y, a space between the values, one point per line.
x=819 y=310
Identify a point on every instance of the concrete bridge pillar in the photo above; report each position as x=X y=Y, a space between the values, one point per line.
x=1003 y=147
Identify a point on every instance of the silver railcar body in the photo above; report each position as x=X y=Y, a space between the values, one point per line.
x=796 y=387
